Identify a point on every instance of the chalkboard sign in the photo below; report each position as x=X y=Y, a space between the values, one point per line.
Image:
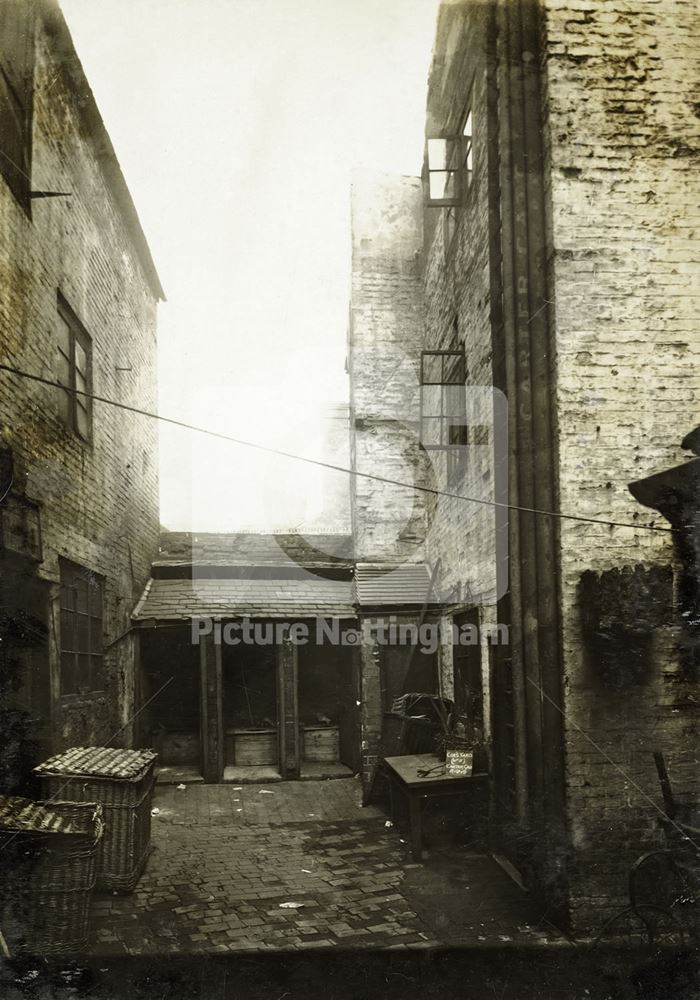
x=459 y=763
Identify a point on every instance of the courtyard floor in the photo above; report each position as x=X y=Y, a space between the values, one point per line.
x=301 y=865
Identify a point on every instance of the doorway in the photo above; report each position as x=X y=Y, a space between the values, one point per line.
x=328 y=718
x=171 y=693
x=249 y=693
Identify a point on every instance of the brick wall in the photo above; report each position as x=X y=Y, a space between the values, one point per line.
x=99 y=501
x=457 y=291
x=614 y=344
x=623 y=150
x=386 y=329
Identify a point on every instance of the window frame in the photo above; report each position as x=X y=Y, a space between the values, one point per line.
x=74 y=405
x=453 y=213
x=454 y=378
x=446 y=167
x=86 y=636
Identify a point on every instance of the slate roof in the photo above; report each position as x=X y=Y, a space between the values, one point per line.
x=389 y=586
x=182 y=548
x=182 y=599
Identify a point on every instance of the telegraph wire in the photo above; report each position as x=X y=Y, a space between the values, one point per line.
x=172 y=421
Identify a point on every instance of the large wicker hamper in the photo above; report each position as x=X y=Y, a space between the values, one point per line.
x=122 y=782
x=50 y=852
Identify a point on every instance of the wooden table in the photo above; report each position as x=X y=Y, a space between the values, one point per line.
x=403 y=773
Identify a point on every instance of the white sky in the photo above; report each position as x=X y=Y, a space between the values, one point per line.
x=237 y=124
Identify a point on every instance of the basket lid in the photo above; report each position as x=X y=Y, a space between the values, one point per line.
x=26 y=816
x=99 y=762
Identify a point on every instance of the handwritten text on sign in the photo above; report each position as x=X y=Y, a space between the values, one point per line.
x=459 y=763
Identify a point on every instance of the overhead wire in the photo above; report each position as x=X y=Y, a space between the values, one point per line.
x=220 y=435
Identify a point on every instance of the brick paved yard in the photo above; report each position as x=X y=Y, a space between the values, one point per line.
x=228 y=858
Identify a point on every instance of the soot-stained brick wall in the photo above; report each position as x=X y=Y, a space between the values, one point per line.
x=623 y=150
x=385 y=336
x=98 y=499
x=457 y=290
x=613 y=276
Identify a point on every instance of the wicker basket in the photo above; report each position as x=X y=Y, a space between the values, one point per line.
x=122 y=782
x=53 y=847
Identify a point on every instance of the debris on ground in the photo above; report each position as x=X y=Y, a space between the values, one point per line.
x=181 y=787
x=290 y=906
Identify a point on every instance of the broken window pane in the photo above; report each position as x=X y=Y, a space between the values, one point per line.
x=443 y=171
x=443 y=185
x=437 y=154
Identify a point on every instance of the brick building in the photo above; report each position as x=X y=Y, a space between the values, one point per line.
x=79 y=512
x=548 y=260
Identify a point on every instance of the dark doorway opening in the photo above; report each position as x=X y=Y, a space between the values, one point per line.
x=328 y=713
x=249 y=691
x=407 y=669
x=468 y=685
x=171 y=693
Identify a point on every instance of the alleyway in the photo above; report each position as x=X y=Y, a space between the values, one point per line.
x=227 y=859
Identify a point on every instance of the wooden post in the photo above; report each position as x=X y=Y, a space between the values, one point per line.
x=288 y=708
x=210 y=706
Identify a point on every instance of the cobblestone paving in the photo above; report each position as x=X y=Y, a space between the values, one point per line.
x=229 y=860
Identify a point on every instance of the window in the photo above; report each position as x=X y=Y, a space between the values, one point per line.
x=81 y=630
x=443 y=404
x=450 y=174
x=443 y=172
x=74 y=353
x=16 y=89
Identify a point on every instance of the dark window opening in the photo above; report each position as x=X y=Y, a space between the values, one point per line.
x=74 y=364
x=17 y=21
x=81 y=630
x=406 y=670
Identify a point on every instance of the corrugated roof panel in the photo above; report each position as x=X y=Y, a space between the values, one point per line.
x=390 y=586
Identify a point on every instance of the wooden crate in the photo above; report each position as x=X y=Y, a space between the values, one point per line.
x=178 y=747
x=122 y=782
x=252 y=747
x=321 y=744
